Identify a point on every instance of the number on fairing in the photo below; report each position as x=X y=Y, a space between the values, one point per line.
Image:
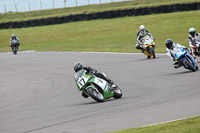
x=81 y=81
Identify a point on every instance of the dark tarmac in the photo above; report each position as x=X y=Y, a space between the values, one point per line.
x=38 y=93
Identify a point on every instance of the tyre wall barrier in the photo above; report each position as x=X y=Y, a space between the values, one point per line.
x=103 y=15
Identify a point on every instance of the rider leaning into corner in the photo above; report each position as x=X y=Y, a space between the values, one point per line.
x=78 y=66
x=192 y=39
x=172 y=49
x=14 y=37
x=140 y=34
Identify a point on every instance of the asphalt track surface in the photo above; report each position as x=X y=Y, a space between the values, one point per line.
x=38 y=93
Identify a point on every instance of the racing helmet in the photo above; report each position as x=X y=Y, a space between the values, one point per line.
x=13 y=36
x=78 y=66
x=142 y=28
x=169 y=43
x=192 y=31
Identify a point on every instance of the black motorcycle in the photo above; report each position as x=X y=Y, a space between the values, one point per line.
x=14 y=46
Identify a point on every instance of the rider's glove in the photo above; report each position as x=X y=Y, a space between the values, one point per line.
x=94 y=71
x=140 y=43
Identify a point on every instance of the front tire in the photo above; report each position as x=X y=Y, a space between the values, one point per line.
x=117 y=92
x=190 y=66
x=96 y=95
x=14 y=50
x=153 y=53
x=197 y=67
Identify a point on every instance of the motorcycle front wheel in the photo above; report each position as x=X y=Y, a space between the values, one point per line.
x=14 y=49
x=190 y=66
x=153 y=53
x=117 y=92
x=96 y=95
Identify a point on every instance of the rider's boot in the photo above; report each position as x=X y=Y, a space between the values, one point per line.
x=142 y=50
x=177 y=64
x=84 y=94
x=195 y=58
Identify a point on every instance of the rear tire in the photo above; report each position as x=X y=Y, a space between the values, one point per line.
x=96 y=95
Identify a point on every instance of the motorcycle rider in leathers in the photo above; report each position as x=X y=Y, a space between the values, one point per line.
x=78 y=66
x=192 y=39
x=172 y=49
x=14 y=37
x=140 y=34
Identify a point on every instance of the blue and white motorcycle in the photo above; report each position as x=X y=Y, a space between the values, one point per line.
x=186 y=60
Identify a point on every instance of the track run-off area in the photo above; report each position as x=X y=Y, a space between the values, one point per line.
x=38 y=93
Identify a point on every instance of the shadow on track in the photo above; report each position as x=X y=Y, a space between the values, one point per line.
x=145 y=59
x=179 y=73
x=94 y=102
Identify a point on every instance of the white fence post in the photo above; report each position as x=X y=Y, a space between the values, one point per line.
x=5 y=8
x=15 y=7
x=65 y=1
x=29 y=5
x=41 y=5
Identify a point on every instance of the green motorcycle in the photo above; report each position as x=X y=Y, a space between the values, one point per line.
x=95 y=87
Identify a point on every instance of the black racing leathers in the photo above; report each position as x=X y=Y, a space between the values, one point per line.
x=99 y=75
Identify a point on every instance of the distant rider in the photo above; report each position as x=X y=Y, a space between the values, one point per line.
x=78 y=66
x=192 y=39
x=14 y=37
x=140 y=34
x=172 y=49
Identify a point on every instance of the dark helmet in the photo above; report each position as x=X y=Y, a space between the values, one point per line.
x=169 y=43
x=78 y=66
x=192 y=31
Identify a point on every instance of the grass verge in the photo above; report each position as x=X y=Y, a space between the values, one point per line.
x=22 y=16
x=190 y=125
x=107 y=35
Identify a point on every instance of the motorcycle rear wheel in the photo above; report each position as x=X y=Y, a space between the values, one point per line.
x=96 y=95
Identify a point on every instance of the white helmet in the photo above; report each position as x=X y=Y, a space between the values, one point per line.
x=192 y=31
x=142 y=28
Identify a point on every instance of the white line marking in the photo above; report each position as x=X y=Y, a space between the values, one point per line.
x=114 y=53
x=168 y=121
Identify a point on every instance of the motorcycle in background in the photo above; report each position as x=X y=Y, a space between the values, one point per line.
x=14 y=46
x=149 y=47
x=196 y=49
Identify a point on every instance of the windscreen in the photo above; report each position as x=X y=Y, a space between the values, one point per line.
x=79 y=74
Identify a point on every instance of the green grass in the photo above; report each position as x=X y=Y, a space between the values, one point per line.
x=9 y=17
x=190 y=125
x=113 y=35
